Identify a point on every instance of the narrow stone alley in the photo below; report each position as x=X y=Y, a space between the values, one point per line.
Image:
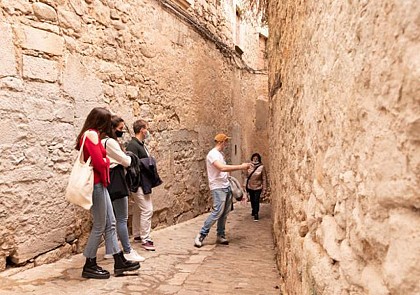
x=245 y=266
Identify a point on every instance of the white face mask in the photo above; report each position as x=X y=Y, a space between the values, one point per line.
x=147 y=135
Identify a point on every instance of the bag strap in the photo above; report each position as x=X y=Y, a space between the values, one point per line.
x=249 y=176
x=81 y=150
x=106 y=142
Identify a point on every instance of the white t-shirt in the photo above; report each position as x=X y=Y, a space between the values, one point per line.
x=217 y=178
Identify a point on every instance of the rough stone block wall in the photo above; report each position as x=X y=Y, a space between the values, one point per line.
x=344 y=80
x=220 y=19
x=59 y=59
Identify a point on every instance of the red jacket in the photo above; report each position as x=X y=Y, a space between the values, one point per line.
x=99 y=162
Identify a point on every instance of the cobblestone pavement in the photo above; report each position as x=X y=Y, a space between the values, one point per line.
x=245 y=266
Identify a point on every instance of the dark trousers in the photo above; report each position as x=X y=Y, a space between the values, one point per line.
x=254 y=196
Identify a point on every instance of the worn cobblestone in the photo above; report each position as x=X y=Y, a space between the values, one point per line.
x=245 y=266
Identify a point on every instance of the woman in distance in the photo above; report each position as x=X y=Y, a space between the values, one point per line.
x=256 y=183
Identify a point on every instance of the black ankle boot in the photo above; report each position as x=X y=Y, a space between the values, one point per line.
x=92 y=271
x=121 y=264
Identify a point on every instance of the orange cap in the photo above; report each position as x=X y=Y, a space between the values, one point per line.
x=221 y=137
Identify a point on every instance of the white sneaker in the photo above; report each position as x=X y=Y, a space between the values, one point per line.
x=198 y=241
x=108 y=256
x=134 y=256
x=222 y=240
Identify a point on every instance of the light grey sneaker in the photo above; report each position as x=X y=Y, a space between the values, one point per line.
x=134 y=256
x=198 y=241
x=108 y=256
x=222 y=240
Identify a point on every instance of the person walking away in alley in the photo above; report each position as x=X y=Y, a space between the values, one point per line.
x=217 y=172
x=98 y=123
x=256 y=183
x=119 y=192
x=143 y=206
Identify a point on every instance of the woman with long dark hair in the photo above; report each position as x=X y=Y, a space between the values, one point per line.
x=119 y=194
x=97 y=124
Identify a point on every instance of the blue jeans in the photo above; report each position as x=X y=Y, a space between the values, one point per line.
x=222 y=205
x=121 y=215
x=103 y=223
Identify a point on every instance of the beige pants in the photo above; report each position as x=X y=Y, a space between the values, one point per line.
x=142 y=215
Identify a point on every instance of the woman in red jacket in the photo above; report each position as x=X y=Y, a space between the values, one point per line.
x=97 y=123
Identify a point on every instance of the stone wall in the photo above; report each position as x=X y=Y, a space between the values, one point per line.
x=344 y=82
x=59 y=59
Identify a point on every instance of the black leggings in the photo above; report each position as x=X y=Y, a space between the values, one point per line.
x=254 y=196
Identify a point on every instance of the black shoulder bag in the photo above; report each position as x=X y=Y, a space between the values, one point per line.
x=117 y=187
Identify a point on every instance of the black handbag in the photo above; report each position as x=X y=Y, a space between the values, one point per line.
x=117 y=188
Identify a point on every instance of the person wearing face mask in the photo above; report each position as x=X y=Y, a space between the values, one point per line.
x=218 y=172
x=143 y=206
x=256 y=183
x=98 y=123
x=117 y=188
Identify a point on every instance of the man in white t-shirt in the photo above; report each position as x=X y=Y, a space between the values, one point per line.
x=217 y=172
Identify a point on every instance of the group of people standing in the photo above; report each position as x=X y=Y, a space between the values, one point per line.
x=100 y=134
x=111 y=161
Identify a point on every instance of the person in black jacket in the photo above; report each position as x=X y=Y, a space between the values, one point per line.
x=143 y=208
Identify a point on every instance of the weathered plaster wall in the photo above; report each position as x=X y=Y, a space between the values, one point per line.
x=344 y=136
x=59 y=59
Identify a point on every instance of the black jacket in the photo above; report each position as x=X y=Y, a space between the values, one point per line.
x=133 y=176
x=137 y=147
x=149 y=175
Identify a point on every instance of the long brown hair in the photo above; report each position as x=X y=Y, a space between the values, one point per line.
x=98 y=119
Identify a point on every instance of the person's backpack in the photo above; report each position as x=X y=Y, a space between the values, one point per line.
x=236 y=188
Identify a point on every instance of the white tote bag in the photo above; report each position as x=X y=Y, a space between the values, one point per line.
x=80 y=188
